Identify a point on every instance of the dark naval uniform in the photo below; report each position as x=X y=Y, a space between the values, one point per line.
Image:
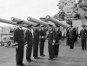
x=19 y=38
x=50 y=44
x=72 y=37
x=36 y=43
x=76 y=35
x=68 y=37
x=83 y=38
x=42 y=40
x=29 y=40
x=57 y=37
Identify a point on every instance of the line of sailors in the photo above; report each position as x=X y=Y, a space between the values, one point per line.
x=34 y=38
x=72 y=36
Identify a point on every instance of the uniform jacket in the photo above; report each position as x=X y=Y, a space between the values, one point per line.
x=42 y=32
x=72 y=34
x=36 y=35
x=28 y=37
x=83 y=34
x=68 y=33
x=57 y=35
x=19 y=37
x=51 y=36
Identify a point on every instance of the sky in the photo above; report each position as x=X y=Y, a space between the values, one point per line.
x=24 y=8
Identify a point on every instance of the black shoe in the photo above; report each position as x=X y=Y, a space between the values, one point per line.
x=29 y=60
x=50 y=58
x=36 y=57
x=56 y=57
x=82 y=49
x=71 y=48
x=42 y=55
x=85 y=48
x=23 y=65
x=18 y=65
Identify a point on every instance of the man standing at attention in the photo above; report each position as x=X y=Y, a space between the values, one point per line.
x=42 y=40
x=83 y=35
x=57 y=37
x=19 y=42
x=29 y=41
x=50 y=42
x=36 y=41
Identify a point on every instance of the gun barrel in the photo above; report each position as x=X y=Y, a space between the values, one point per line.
x=7 y=21
x=56 y=21
x=37 y=21
x=25 y=22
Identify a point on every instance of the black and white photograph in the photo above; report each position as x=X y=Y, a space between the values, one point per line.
x=43 y=33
